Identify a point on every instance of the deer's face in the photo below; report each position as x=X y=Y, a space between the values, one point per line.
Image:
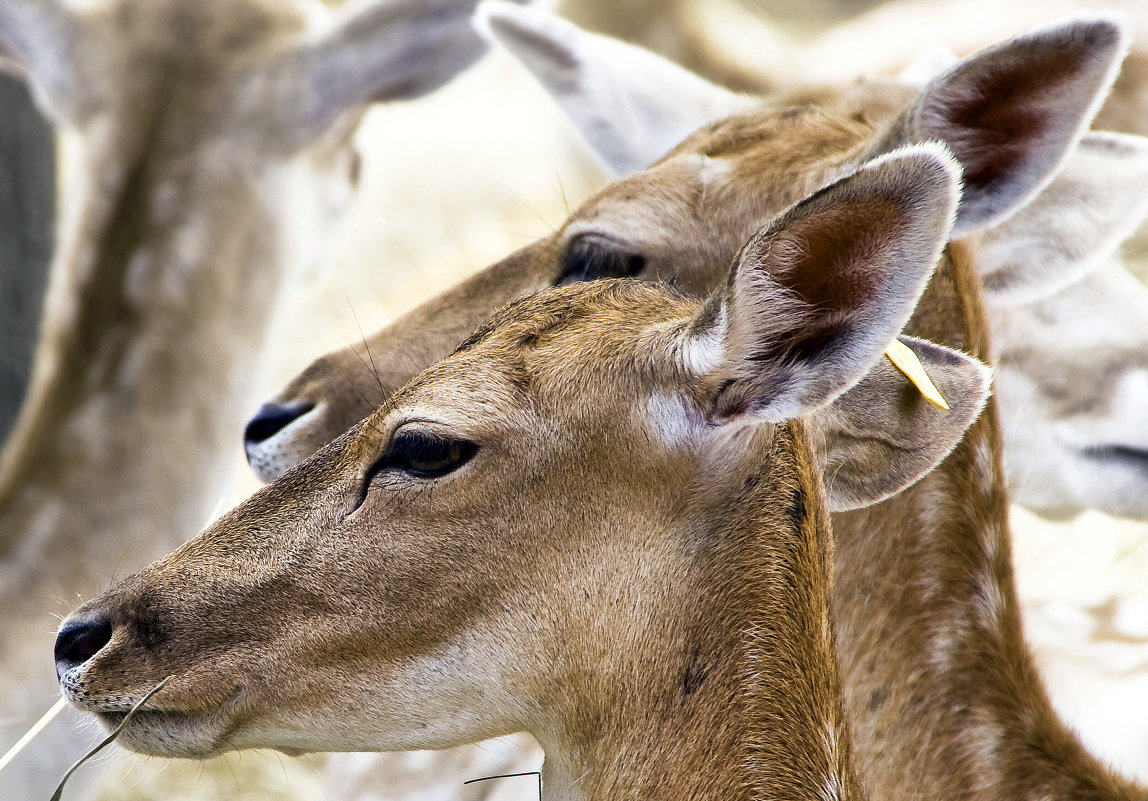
x=680 y=221
x=497 y=547
x=426 y=564
x=1073 y=387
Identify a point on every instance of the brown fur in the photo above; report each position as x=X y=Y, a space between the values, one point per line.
x=199 y=192
x=612 y=558
x=943 y=695
x=716 y=564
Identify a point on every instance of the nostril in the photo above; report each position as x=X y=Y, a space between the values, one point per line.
x=271 y=419
x=80 y=640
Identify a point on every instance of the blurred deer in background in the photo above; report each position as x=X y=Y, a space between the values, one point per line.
x=211 y=147
x=600 y=520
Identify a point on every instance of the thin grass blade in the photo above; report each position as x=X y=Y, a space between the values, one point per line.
x=108 y=740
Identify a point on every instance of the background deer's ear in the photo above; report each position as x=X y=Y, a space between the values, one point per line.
x=815 y=297
x=1072 y=226
x=883 y=435
x=44 y=43
x=631 y=106
x=372 y=51
x=1013 y=112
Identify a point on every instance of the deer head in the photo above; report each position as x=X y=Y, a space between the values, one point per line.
x=697 y=202
x=1068 y=335
x=598 y=519
x=1076 y=361
x=209 y=145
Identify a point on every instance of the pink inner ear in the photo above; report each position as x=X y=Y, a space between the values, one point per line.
x=1001 y=117
x=832 y=262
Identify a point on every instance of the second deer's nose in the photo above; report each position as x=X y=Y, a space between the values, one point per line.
x=80 y=640
x=271 y=419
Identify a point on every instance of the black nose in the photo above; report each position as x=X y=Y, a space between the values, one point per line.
x=80 y=640
x=271 y=419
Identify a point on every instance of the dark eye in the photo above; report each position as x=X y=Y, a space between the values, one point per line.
x=425 y=455
x=589 y=258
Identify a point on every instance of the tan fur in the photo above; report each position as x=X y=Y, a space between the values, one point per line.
x=508 y=543
x=941 y=689
x=201 y=185
x=526 y=629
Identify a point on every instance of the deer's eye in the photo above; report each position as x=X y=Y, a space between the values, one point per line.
x=425 y=455
x=589 y=258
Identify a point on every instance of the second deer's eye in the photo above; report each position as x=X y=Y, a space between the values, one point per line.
x=589 y=258
x=425 y=455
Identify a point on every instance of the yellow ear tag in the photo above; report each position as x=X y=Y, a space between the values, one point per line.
x=907 y=362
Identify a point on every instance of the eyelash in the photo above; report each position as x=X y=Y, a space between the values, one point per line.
x=589 y=259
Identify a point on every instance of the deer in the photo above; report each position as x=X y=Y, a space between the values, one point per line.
x=1108 y=172
x=212 y=149
x=1099 y=326
x=942 y=694
x=601 y=518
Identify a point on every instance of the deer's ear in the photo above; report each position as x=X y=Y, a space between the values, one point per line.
x=883 y=435
x=815 y=297
x=372 y=51
x=1070 y=227
x=1013 y=112
x=631 y=106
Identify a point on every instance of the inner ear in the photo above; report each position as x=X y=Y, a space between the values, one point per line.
x=1011 y=113
x=845 y=241
x=994 y=116
x=817 y=294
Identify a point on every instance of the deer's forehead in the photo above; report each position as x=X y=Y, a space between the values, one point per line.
x=171 y=68
x=214 y=31
x=730 y=175
x=671 y=189
x=590 y=344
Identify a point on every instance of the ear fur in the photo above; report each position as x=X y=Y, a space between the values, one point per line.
x=1012 y=113
x=630 y=106
x=882 y=435
x=817 y=294
x=1076 y=223
x=373 y=51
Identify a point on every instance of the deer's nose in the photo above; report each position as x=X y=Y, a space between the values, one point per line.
x=80 y=640
x=270 y=420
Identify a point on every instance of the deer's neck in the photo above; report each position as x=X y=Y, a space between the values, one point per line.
x=942 y=694
x=731 y=691
x=148 y=337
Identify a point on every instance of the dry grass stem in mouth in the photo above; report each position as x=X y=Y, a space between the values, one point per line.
x=107 y=740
